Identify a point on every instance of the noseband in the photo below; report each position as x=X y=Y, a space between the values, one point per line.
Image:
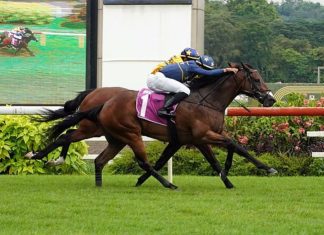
x=255 y=91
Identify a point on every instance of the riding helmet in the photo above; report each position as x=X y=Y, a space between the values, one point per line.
x=206 y=61
x=190 y=53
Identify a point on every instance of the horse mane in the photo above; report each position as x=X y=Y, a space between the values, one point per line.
x=207 y=80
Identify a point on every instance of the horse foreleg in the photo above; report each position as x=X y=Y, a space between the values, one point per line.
x=229 y=160
x=140 y=154
x=214 y=163
x=218 y=139
x=30 y=52
x=244 y=153
x=19 y=48
x=113 y=148
x=165 y=156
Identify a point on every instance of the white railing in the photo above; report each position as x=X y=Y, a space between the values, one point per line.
x=29 y=110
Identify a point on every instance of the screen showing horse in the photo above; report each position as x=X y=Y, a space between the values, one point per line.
x=42 y=51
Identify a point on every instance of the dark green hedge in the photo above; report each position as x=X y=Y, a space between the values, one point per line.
x=18 y=135
x=191 y=162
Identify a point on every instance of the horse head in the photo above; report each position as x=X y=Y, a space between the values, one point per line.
x=253 y=85
x=29 y=35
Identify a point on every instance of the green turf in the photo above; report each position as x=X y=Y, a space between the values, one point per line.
x=73 y=205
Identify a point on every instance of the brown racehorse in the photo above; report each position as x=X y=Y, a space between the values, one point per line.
x=91 y=98
x=199 y=120
x=8 y=40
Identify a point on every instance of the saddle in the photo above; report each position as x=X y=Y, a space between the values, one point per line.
x=147 y=105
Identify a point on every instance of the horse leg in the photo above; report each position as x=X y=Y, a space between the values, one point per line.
x=214 y=163
x=229 y=160
x=166 y=155
x=19 y=48
x=64 y=141
x=63 y=154
x=113 y=148
x=140 y=154
x=218 y=139
x=244 y=153
x=61 y=141
x=30 y=52
x=228 y=163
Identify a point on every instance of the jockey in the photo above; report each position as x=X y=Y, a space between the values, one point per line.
x=176 y=74
x=18 y=32
x=187 y=54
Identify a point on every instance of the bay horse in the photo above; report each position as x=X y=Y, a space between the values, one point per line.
x=199 y=120
x=91 y=98
x=7 y=40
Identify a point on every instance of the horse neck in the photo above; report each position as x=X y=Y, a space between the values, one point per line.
x=219 y=96
x=27 y=40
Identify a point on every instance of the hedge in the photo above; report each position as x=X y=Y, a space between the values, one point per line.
x=191 y=162
x=19 y=135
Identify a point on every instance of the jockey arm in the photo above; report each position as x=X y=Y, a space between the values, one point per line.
x=197 y=70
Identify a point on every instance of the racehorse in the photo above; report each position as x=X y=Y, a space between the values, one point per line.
x=199 y=120
x=93 y=97
x=7 y=39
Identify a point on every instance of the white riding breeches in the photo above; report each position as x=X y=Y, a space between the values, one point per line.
x=160 y=83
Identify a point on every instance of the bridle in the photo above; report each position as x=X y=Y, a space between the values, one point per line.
x=255 y=91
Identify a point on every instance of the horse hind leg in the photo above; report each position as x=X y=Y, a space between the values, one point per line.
x=61 y=141
x=63 y=154
x=113 y=148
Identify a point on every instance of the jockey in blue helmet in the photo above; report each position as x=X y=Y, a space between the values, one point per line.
x=176 y=74
x=189 y=54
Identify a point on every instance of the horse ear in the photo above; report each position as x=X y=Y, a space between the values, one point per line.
x=244 y=66
x=233 y=65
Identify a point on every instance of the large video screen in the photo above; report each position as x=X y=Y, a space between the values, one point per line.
x=42 y=51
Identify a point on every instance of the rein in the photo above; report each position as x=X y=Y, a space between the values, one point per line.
x=219 y=82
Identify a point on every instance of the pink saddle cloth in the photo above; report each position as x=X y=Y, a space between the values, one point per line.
x=148 y=104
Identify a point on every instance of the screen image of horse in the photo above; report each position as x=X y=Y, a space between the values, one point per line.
x=43 y=56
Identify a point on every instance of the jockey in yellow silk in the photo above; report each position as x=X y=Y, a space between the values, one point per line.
x=187 y=54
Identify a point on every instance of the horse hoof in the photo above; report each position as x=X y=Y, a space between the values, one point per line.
x=172 y=186
x=272 y=171
x=50 y=163
x=229 y=185
x=29 y=155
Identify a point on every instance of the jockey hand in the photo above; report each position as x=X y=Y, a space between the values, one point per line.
x=234 y=70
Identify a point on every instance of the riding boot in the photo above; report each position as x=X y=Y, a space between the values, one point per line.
x=165 y=111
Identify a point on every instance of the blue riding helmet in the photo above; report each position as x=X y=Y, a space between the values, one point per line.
x=190 y=53
x=206 y=62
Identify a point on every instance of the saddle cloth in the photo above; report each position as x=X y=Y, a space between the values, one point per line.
x=148 y=103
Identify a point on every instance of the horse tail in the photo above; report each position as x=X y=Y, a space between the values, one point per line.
x=50 y=115
x=73 y=120
x=70 y=107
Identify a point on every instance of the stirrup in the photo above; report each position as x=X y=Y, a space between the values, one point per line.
x=166 y=114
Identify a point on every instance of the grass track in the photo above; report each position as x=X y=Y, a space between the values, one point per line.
x=202 y=205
